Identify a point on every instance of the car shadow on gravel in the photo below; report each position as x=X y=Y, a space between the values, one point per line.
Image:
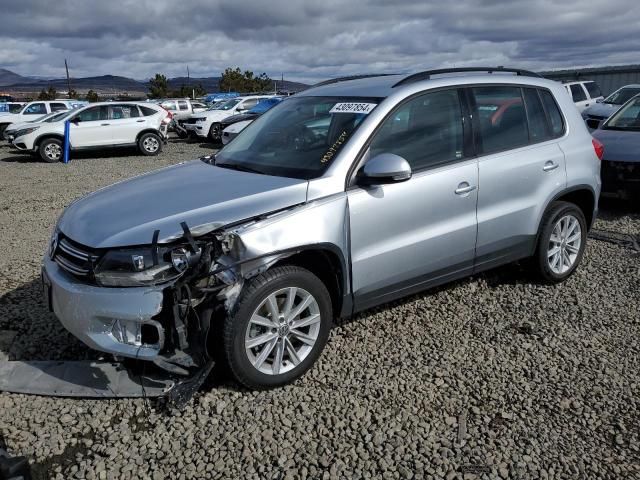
x=614 y=208
x=20 y=157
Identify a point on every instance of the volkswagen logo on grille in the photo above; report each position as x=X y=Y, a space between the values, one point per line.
x=53 y=245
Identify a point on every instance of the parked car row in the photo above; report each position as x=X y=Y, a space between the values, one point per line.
x=94 y=126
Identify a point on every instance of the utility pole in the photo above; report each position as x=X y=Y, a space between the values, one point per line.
x=189 y=79
x=66 y=67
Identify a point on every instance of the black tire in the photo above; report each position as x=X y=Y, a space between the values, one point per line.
x=150 y=144
x=215 y=133
x=540 y=260
x=236 y=324
x=51 y=150
x=3 y=127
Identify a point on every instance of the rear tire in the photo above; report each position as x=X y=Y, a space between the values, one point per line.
x=3 y=127
x=271 y=343
x=50 y=150
x=150 y=144
x=561 y=242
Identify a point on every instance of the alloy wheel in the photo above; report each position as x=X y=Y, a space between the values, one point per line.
x=564 y=244
x=282 y=331
x=53 y=151
x=151 y=144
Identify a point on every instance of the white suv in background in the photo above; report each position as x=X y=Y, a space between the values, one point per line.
x=33 y=110
x=584 y=93
x=99 y=125
x=207 y=123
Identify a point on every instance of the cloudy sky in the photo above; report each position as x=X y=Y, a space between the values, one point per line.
x=311 y=40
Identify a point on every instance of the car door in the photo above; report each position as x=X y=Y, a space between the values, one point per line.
x=407 y=236
x=124 y=123
x=89 y=128
x=520 y=166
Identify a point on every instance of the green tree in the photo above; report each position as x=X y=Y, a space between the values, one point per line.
x=92 y=96
x=49 y=94
x=238 y=81
x=73 y=93
x=158 y=86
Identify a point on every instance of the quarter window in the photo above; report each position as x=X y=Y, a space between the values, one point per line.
x=426 y=131
x=146 y=111
x=36 y=109
x=501 y=117
x=577 y=93
x=536 y=117
x=553 y=112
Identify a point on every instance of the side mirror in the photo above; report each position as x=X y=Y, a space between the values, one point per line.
x=384 y=168
x=75 y=120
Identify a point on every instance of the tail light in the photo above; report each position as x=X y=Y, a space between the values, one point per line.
x=598 y=147
x=169 y=116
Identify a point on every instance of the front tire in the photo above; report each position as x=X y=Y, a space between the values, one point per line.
x=561 y=242
x=215 y=133
x=278 y=327
x=150 y=144
x=50 y=150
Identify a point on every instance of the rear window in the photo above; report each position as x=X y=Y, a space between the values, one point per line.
x=56 y=107
x=593 y=89
x=169 y=105
x=577 y=93
x=182 y=105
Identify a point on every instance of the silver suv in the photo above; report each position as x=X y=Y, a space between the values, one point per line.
x=348 y=195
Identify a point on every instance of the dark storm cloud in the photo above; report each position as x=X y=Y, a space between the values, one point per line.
x=311 y=40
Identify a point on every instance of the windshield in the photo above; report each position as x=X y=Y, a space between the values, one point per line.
x=297 y=138
x=627 y=118
x=217 y=105
x=622 y=96
x=228 y=104
x=57 y=116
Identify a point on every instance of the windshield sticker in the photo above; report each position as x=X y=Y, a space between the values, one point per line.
x=353 y=108
x=334 y=148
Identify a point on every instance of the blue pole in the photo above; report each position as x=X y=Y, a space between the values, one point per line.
x=67 y=126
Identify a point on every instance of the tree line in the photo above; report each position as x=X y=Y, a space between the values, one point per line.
x=231 y=80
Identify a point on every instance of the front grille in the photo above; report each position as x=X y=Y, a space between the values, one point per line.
x=75 y=258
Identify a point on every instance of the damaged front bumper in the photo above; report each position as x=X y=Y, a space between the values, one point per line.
x=111 y=320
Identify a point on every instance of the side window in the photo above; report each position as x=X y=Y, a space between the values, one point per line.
x=56 y=107
x=92 y=114
x=577 y=93
x=553 y=111
x=536 y=117
x=36 y=109
x=249 y=104
x=146 y=111
x=117 y=112
x=501 y=115
x=426 y=131
x=593 y=89
x=182 y=105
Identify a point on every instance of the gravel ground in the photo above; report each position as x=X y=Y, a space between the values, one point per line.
x=491 y=377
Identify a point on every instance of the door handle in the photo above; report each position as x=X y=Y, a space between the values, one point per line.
x=104 y=124
x=549 y=165
x=464 y=188
x=139 y=121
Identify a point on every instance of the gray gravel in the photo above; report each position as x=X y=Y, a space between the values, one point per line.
x=491 y=377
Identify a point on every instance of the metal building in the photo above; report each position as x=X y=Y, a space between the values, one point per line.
x=608 y=78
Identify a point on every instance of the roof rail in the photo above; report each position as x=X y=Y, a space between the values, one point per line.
x=426 y=75
x=351 y=77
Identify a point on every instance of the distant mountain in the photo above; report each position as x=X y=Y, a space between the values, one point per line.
x=7 y=77
x=111 y=84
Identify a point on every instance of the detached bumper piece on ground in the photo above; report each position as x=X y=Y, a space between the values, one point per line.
x=87 y=379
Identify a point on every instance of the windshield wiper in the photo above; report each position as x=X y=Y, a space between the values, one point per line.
x=239 y=167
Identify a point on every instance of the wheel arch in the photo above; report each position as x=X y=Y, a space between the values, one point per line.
x=584 y=197
x=44 y=136
x=148 y=130
x=327 y=262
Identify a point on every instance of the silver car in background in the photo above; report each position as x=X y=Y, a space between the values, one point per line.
x=348 y=195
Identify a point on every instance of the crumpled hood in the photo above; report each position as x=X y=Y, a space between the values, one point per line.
x=601 y=109
x=619 y=145
x=202 y=195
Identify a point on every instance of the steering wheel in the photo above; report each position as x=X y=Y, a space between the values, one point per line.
x=301 y=138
